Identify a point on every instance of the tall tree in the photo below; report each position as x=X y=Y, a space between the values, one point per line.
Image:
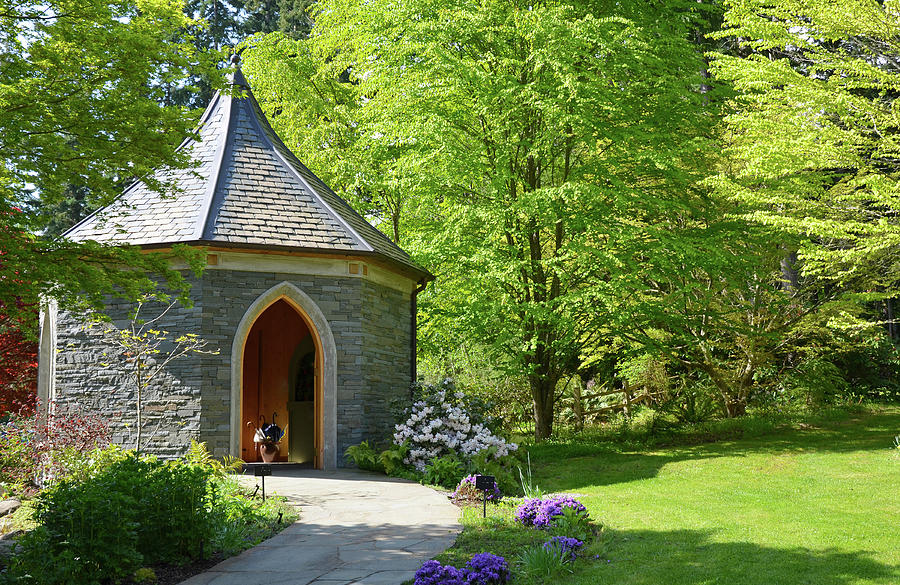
x=313 y=106
x=78 y=107
x=216 y=26
x=530 y=135
x=814 y=136
x=290 y=17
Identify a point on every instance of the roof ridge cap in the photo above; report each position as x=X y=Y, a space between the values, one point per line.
x=224 y=141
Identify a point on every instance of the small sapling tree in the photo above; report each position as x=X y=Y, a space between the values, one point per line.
x=147 y=351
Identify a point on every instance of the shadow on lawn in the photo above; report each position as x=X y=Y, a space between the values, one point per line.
x=605 y=463
x=687 y=557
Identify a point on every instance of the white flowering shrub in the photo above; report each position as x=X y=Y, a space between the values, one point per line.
x=442 y=422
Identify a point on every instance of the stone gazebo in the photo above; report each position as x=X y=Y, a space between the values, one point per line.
x=312 y=310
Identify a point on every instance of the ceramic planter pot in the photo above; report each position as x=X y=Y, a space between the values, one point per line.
x=268 y=452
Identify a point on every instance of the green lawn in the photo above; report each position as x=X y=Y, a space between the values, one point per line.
x=817 y=505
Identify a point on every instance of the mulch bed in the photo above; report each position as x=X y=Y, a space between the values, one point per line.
x=174 y=574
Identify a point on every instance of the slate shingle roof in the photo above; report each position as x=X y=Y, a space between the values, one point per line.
x=246 y=190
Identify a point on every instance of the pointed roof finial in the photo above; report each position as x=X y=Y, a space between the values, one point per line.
x=236 y=60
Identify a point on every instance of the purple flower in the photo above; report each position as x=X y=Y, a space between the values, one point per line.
x=434 y=573
x=487 y=569
x=568 y=547
x=540 y=513
x=482 y=569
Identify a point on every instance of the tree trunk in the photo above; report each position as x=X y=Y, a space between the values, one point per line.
x=395 y=223
x=140 y=407
x=889 y=318
x=542 y=391
x=790 y=273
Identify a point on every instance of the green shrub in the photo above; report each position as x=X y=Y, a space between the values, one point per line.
x=692 y=402
x=241 y=522
x=35 y=452
x=88 y=534
x=136 y=510
x=816 y=382
x=391 y=459
x=573 y=524
x=364 y=457
x=144 y=575
x=486 y=462
x=872 y=367
x=443 y=471
x=122 y=511
x=18 y=464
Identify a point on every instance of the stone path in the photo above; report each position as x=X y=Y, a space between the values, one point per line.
x=355 y=528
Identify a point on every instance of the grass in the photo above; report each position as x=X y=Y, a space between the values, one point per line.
x=810 y=505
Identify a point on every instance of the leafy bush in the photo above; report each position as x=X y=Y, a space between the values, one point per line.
x=18 y=466
x=240 y=521
x=391 y=459
x=816 y=382
x=144 y=575
x=443 y=471
x=487 y=462
x=691 y=402
x=364 y=457
x=35 y=453
x=442 y=422
x=572 y=523
x=872 y=366
x=122 y=511
x=135 y=510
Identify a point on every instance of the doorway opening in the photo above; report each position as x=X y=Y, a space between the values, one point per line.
x=280 y=384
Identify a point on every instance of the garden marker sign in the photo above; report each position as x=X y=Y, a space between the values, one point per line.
x=484 y=483
x=262 y=471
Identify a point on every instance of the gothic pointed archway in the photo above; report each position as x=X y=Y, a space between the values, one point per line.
x=283 y=361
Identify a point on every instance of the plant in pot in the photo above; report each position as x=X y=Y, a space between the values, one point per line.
x=267 y=437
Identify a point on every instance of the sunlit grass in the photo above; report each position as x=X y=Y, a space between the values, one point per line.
x=814 y=505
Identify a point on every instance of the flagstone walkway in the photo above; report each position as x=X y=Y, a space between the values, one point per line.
x=355 y=528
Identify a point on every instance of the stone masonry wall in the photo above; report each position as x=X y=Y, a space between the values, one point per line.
x=227 y=296
x=386 y=347
x=348 y=304
x=192 y=400
x=92 y=377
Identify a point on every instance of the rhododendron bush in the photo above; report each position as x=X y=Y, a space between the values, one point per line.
x=443 y=421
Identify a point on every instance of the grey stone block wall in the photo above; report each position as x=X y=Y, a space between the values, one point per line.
x=93 y=377
x=192 y=400
x=386 y=347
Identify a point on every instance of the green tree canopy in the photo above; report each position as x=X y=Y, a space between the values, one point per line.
x=529 y=139
x=813 y=137
x=80 y=106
